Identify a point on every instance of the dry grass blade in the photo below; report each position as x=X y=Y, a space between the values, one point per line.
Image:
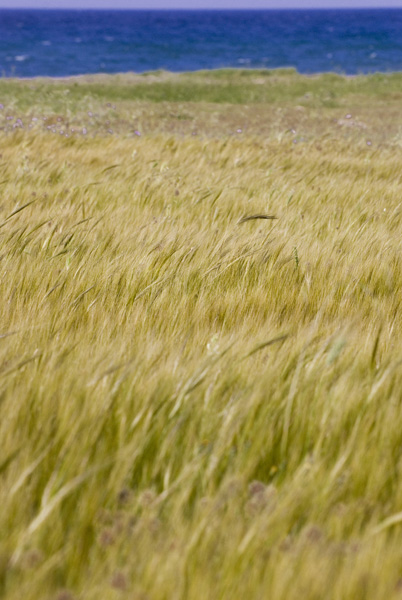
x=52 y=504
x=255 y=217
x=16 y=211
x=276 y=340
x=21 y=364
x=387 y=523
x=80 y=296
x=6 y=335
x=28 y=471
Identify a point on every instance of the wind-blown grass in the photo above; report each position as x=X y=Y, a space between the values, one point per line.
x=196 y=404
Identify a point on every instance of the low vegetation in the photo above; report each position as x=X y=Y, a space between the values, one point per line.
x=196 y=404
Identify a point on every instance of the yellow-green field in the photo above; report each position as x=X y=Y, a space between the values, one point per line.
x=195 y=406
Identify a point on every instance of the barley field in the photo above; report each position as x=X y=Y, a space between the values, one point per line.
x=196 y=403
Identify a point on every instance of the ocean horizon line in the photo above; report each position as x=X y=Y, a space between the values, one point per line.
x=205 y=10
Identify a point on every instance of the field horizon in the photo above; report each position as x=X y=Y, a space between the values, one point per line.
x=201 y=338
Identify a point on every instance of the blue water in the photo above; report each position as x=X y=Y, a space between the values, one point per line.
x=59 y=42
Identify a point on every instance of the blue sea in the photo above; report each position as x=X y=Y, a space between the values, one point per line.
x=61 y=43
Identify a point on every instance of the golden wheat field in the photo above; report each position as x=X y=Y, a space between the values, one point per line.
x=195 y=404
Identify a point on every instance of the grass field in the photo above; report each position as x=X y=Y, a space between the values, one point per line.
x=196 y=405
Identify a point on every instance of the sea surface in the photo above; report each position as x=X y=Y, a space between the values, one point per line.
x=60 y=42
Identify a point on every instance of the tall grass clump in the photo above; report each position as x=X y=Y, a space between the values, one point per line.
x=198 y=403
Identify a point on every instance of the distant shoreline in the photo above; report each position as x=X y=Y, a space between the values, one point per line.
x=162 y=75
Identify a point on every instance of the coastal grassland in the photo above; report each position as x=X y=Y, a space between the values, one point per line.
x=195 y=406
